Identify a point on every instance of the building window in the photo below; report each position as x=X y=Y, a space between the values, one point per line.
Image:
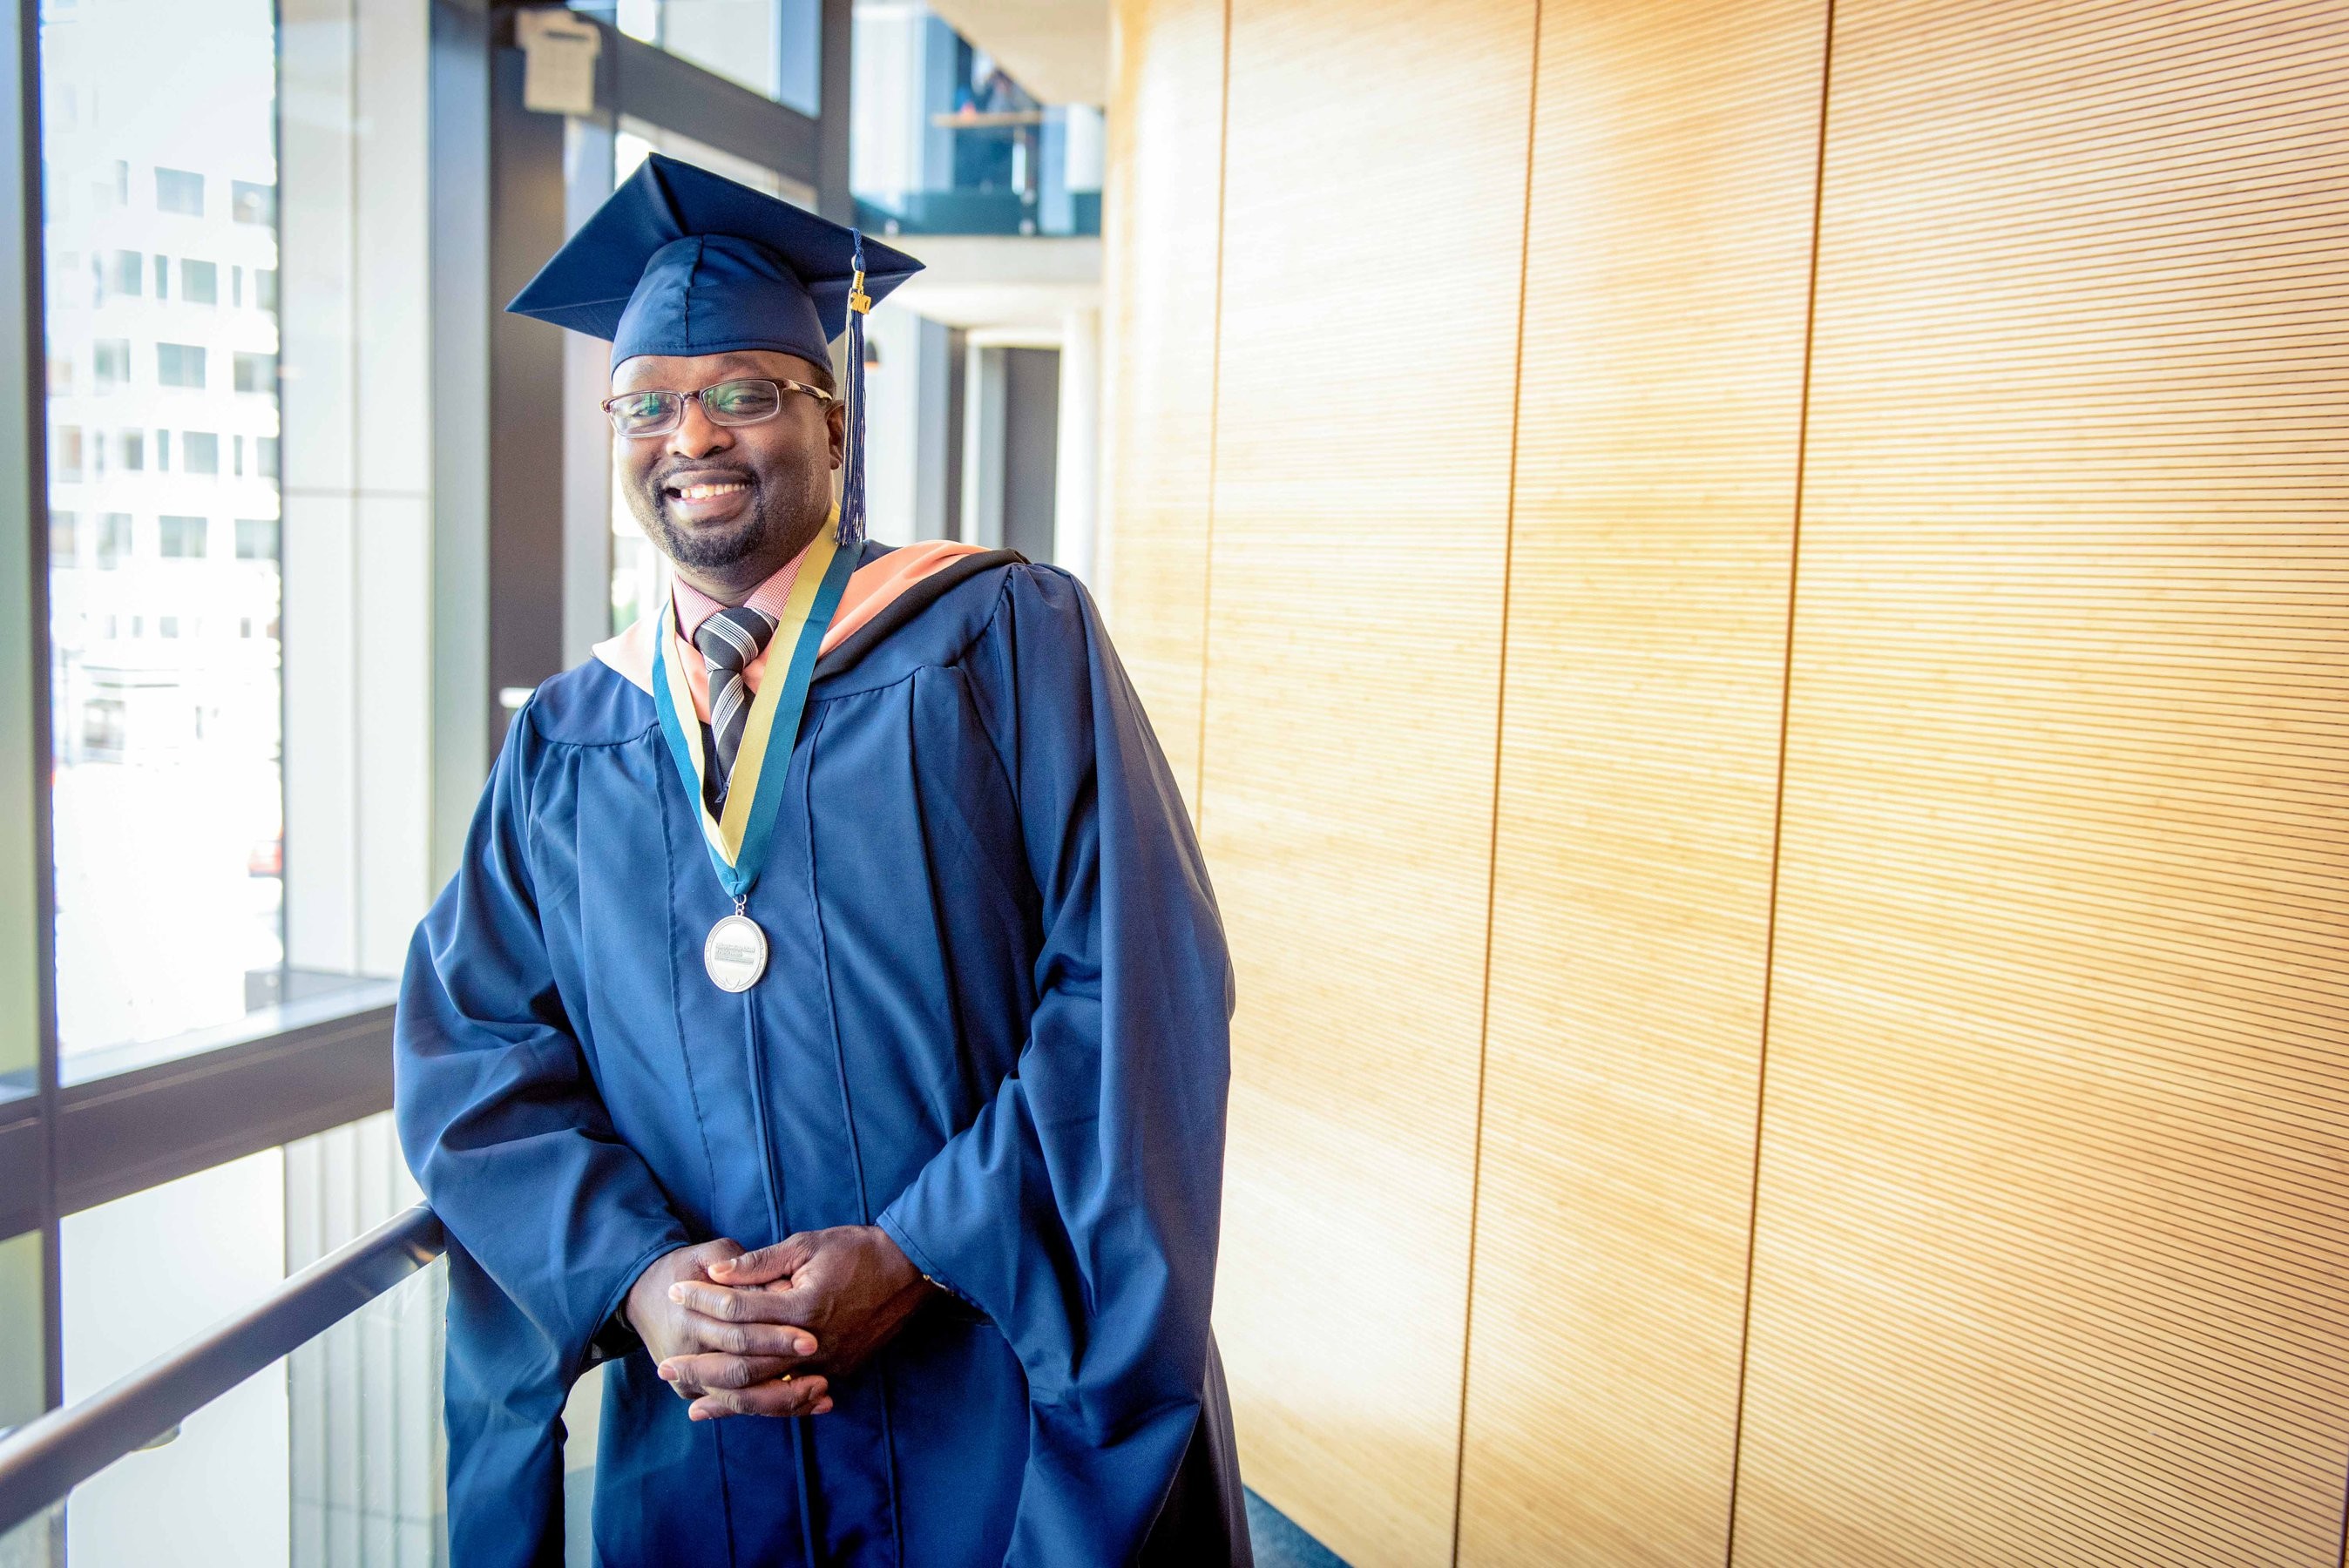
x=113 y=546
x=162 y=451
x=63 y=538
x=109 y=361
x=177 y=190
x=130 y=273
x=265 y=456
x=199 y=452
x=238 y=468
x=181 y=538
x=251 y=203
x=167 y=625
x=163 y=277
x=61 y=377
x=255 y=372
x=199 y=283
x=67 y=448
x=265 y=289
x=179 y=364
x=134 y=449
x=256 y=539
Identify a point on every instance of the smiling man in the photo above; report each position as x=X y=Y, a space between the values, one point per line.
x=826 y=1031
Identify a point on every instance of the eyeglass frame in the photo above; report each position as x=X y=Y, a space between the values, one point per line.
x=823 y=400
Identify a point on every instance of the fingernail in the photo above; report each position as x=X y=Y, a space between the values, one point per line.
x=693 y=1415
x=822 y=1405
x=805 y=1346
x=677 y=1293
x=667 y=1373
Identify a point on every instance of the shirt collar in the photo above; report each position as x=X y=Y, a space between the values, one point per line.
x=694 y=607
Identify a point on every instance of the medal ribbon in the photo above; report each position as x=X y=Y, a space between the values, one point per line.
x=737 y=837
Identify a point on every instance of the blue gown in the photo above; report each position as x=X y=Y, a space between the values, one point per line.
x=995 y=1022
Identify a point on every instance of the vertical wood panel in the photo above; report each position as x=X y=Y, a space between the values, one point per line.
x=2053 y=1226
x=1373 y=228
x=1667 y=281
x=1162 y=225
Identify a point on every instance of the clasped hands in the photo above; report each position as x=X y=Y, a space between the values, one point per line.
x=763 y=1332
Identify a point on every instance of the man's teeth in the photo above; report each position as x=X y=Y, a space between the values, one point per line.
x=703 y=492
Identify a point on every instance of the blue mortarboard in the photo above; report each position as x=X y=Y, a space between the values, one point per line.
x=680 y=261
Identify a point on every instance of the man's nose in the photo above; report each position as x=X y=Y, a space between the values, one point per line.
x=697 y=434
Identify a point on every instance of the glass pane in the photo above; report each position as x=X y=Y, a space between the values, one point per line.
x=333 y=1455
x=21 y=1365
x=159 y=132
x=771 y=46
x=946 y=142
x=38 y=1543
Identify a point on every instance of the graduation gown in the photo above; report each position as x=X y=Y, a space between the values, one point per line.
x=994 y=1023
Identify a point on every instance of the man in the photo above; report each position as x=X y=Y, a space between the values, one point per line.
x=842 y=911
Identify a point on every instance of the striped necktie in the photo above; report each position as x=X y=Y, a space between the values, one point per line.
x=729 y=641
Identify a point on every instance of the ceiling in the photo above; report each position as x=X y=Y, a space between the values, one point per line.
x=1057 y=49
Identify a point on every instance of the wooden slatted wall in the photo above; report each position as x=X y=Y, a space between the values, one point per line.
x=1164 y=180
x=2053 y=1241
x=2054 y=1047
x=1372 y=223
x=1667 y=285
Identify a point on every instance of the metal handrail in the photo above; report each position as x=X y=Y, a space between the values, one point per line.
x=42 y=1461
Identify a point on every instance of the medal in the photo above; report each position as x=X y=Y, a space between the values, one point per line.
x=735 y=952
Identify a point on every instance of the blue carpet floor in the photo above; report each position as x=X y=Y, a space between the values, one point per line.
x=1280 y=1545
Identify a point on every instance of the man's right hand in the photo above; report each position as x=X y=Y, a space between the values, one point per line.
x=753 y=1367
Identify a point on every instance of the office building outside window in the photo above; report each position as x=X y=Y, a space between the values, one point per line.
x=159 y=131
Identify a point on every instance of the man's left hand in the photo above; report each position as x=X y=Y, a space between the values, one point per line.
x=850 y=1286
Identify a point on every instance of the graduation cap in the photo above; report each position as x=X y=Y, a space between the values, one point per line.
x=679 y=260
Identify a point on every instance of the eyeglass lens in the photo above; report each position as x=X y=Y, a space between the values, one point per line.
x=727 y=403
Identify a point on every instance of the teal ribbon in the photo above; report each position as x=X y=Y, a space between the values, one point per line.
x=685 y=743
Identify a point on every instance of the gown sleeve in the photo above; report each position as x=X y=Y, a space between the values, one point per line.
x=1079 y=1210
x=550 y=1216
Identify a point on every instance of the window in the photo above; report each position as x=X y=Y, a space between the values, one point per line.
x=63 y=538
x=61 y=376
x=179 y=364
x=177 y=190
x=181 y=538
x=113 y=545
x=170 y=750
x=66 y=460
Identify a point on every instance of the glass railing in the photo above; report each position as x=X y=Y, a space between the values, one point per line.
x=1024 y=170
x=303 y=1430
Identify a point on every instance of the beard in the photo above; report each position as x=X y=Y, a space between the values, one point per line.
x=782 y=514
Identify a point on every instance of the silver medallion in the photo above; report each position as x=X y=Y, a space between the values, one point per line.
x=735 y=952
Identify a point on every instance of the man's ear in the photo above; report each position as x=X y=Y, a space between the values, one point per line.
x=835 y=427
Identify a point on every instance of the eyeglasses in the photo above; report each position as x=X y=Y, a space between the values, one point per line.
x=644 y=413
